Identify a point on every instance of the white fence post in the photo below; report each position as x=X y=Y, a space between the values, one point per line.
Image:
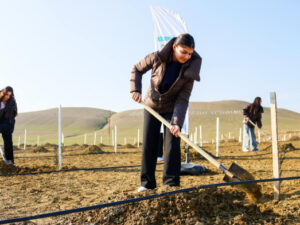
x=84 y=139
x=37 y=141
x=116 y=141
x=200 y=133
x=95 y=138
x=101 y=140
x=62 y=139
x=217 y=137
x=138 y=138
x=25 y=138
x=195 y=136
x=19 y=141
x=276 y=166
x=59 y=137
x=112 y=138
x=240 y=137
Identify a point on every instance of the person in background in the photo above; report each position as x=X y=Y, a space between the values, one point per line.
x=174 y=69
x=252 y=113
x=8 y=112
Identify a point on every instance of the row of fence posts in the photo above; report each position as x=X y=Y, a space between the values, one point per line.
x=273 y=107
x=192 y=137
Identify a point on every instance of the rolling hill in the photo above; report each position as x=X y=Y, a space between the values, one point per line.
x=75 y=121
x=79 y=121
x=205 y=114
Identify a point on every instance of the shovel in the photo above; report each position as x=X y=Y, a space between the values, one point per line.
x=235 y=172
x=268 y=138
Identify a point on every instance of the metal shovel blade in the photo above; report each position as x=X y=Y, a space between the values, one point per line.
x=253 y=190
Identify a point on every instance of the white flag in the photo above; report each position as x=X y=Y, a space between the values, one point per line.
x=168 y=24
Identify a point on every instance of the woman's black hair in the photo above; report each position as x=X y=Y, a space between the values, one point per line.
x=255 y=106
x=11 y=109
x=257 y=101
x=186 y=40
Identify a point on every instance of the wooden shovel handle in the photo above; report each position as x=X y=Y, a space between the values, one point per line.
x=188 y=141
x=260 y=130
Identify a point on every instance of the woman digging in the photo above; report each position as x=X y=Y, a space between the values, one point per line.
x=252 y=115
x=174 y=69
x=8 y=112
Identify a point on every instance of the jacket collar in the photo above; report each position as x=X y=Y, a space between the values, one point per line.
x=193 y=65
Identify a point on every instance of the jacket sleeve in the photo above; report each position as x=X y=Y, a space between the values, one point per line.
x=259 y=124
x=181 y=103
x=138 y=70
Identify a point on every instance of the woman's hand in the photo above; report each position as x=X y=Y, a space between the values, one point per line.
x=174 y=130
x=136 y=96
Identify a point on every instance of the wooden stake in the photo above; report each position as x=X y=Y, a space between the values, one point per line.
x=276 y=168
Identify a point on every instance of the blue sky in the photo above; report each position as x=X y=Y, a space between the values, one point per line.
x=81 y=52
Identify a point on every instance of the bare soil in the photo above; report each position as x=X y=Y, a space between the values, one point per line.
x=91 y=179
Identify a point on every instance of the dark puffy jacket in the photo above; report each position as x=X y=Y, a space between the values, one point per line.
x=254 y=118
x=176 y=99
x=8 y=116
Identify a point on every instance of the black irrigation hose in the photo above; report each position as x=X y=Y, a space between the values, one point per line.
x=58 y=213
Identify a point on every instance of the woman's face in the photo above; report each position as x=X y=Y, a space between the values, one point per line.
x=7 y=96
x=182 y=53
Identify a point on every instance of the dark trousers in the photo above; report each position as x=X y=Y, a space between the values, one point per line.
x=171 y=174
x=160 y=145
x=5 y=130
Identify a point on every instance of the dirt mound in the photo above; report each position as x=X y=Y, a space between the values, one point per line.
x=75 y=145
x=40 y=149
x=294 y=138
x=49 y=145
x=231 y=141
x=7 y=168
x=15 y=148
x=129 y=146
x=93 y=149
x=102 y=145
x=210 y=206
x=287 y=147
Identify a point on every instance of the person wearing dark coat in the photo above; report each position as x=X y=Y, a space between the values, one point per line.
x=174 y=69
x=252 y=113
x=8 y=112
